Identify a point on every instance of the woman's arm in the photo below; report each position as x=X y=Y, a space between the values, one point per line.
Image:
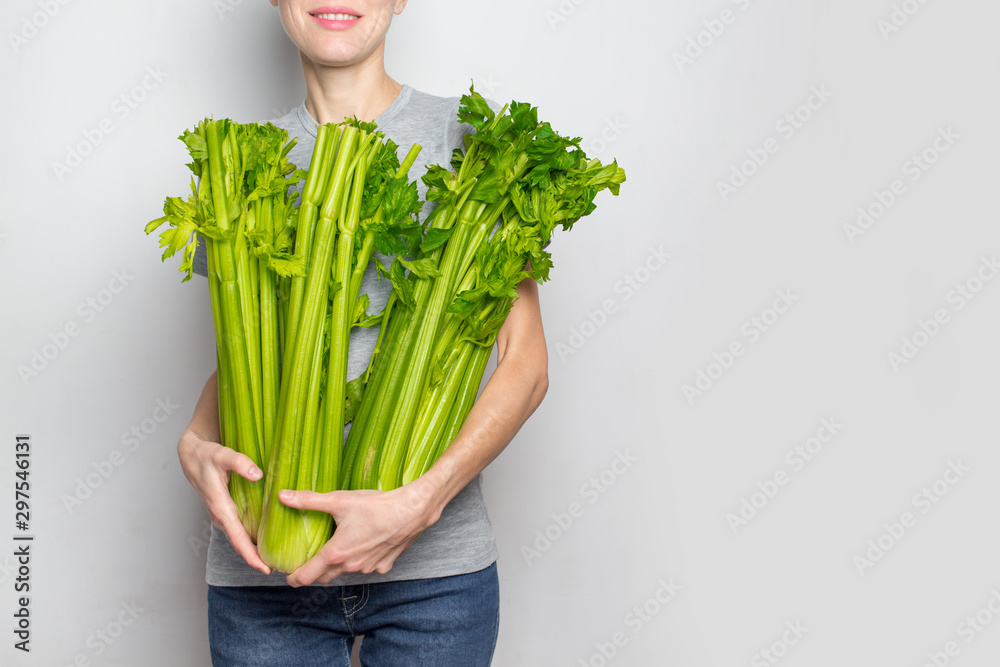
x=207 y=465
x=375 y=527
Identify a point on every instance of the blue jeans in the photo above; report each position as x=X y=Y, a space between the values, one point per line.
x=444 y=622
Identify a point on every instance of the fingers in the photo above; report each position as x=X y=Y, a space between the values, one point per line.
x=310 y=500
x=324 y=567
x=207 y=466
x=241 y=464
x=331 y=562
x=311 y=570
x=244 y=547
x=230 y=523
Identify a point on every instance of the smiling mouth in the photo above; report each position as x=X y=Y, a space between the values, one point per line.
x=336 y=17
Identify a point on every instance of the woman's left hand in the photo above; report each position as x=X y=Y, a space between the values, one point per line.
x=372 y=528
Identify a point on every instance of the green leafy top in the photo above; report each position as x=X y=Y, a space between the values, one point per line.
x=257 y=179
x=547 y=180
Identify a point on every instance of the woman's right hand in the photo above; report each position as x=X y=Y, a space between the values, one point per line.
x=207 y=465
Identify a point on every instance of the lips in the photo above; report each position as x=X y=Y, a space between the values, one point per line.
x=335 y=17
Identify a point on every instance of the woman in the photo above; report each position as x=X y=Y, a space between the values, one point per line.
x=435 y=602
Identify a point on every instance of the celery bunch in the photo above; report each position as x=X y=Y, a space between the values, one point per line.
x=356 y=199
x=285 y=289
x=240 y=206
x=516 y=181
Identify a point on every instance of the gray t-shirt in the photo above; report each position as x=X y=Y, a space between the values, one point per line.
x=462 y=539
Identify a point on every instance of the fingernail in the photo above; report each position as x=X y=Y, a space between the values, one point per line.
x=285 y=494
x=255 y=473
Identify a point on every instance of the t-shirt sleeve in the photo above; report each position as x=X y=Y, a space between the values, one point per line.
x=199 y=262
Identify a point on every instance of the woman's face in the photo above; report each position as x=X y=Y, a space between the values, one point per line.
x=337 y=34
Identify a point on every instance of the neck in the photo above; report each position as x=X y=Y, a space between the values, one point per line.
x=361 y=89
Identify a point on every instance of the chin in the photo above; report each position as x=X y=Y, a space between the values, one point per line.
x=334 y=55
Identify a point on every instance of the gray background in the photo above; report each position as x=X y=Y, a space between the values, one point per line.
x=619 y=356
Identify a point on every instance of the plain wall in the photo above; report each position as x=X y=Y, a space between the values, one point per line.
x=710 y=537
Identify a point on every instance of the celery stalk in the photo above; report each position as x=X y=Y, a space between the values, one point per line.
x=283 y=539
